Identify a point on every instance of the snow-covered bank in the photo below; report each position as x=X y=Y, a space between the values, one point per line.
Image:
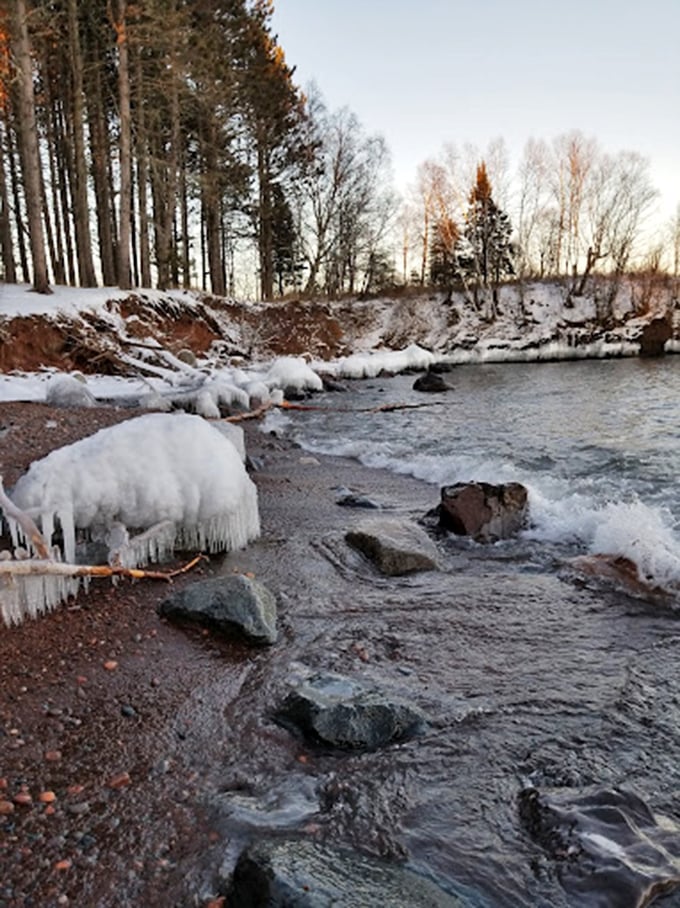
x=188 y=350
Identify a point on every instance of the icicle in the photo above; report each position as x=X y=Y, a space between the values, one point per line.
x=65 y=515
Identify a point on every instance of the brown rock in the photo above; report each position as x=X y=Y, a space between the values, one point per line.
x=6 y=807
x=484 y=511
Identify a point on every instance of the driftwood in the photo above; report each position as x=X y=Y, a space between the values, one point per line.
x=383 y=408
x=32 y=566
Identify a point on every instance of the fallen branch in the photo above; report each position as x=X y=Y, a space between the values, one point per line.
x=251 y=414
x=32 y=567
x=383 y=408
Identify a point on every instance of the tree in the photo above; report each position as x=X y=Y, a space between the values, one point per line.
x=30 y=154
x=486 y=252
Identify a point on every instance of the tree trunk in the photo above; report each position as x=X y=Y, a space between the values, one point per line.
x=86 y=273
x=99 y=155
x=124 y=162
x=16 y=201
x=30 y=154
x=266 y=246
x=8 y=267
x=142 y=158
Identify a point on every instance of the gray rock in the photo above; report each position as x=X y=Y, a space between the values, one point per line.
x=484 y=511
x=343 y=713
x=302 y=874
x=349 y=499
x=233 y=605
x=395 y=546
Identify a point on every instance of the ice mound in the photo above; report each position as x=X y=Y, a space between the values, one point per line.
x=172 y=470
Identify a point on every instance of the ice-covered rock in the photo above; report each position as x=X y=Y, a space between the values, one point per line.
x=169 y=469
x=69 y=391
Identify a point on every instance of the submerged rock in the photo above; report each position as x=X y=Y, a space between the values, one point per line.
x=617 y=572
x=481 y=510
x=610 y=847
x=233 y=605
x=286 y=873
x=343 y=713
x=395 y=546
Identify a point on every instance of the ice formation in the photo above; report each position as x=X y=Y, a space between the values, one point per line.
x=69 y=391
x=174 y=475
x=293 y=372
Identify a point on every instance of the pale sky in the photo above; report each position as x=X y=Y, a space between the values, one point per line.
x=426 y=72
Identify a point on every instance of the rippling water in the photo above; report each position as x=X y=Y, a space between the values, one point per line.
x=549 y=773
x=597 y=443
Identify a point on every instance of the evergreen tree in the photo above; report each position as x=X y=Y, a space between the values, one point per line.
x=444 y=254
x=486 y=252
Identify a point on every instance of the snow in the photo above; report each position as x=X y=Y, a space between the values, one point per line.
x=141 y=473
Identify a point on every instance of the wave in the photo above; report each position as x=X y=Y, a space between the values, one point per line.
x=584 y=514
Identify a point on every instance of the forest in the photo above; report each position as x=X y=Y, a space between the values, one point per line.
x=165 y=143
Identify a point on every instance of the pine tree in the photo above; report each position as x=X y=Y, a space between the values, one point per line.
x=444 y=254
x=486 y=252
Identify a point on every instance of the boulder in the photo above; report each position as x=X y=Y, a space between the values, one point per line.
x=654 y=336
x=484 y=511
x=431 y=382
x=394 y=546
x=283 y=873
x=335 y=710
x=233 y=605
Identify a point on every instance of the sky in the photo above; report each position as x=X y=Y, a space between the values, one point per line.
x=428 y=72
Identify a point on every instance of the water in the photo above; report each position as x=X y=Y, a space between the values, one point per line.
x=597 y=444
x=550 y=771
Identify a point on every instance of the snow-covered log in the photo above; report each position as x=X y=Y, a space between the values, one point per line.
x=170 y=469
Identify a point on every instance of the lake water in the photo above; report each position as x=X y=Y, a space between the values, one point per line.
x=550 y=773
x=597 y=443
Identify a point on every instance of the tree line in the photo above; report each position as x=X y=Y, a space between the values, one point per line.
x=166 y=143
x=153 y=142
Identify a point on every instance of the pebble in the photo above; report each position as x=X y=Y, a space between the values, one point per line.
x=46 y=797
x=53 y=756
x=111 y=665
x=128 y=711
x=6 y=807
x=63 y=865
x=23 y=798
x=119 y=781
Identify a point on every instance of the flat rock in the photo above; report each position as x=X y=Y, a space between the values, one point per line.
x=234 y=605
x=286 y=873
x=394 y=546
x=335 y=710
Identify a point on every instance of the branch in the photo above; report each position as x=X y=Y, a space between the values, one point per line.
x=31 y=567
x=28 y=526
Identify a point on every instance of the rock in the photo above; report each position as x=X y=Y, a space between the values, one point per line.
x=69 y=391
x=349 y=499
x=615 y=571
x=484 y=511
x=596 y=836
x=430 y=381
x=285 y=873
x=654 y=336
x=395 y=546
x=343 y=713
x=234 y=604
x=330 y=383
x=188 y=356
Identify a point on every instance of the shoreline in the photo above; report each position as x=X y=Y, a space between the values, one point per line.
x=99 y=697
